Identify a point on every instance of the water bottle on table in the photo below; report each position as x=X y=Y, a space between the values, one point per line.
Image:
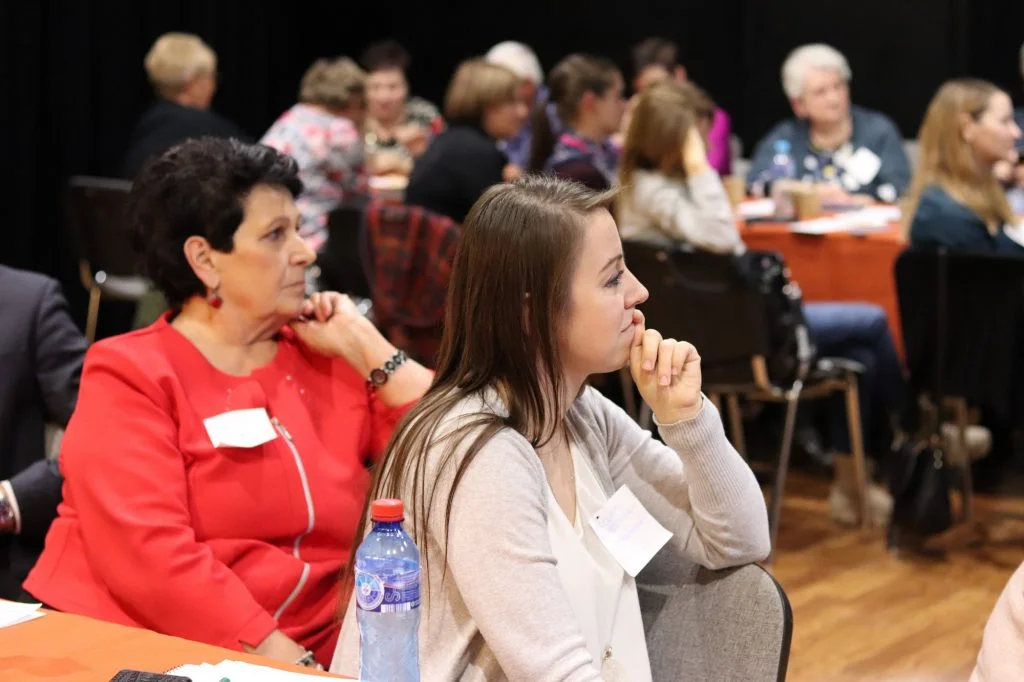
x=783 y=168
x=387 y=587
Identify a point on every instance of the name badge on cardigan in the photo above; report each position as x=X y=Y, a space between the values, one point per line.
x=628 y=531
x=863 y=165
x=240 y=428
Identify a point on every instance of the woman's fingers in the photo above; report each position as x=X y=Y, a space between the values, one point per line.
x=665 y=355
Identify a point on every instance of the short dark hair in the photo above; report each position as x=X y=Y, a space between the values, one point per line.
x=384 y=55
x=198 y=188
x=655 y=52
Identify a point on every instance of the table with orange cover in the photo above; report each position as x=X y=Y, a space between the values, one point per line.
x=61 y=647
x=838 y=266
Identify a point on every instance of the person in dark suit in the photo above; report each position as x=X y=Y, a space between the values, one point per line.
x=183 y=71
x=41 y=352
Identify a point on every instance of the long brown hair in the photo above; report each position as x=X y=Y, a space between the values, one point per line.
x=662 y=118
x=946 y=158
x=510 y=285
x=568 y=82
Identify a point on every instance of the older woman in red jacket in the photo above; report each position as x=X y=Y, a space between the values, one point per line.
x=216 y=466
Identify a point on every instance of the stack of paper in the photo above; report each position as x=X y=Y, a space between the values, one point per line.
x=755 y=209
x=12 y=613
x=237 y=671
x=871 y=219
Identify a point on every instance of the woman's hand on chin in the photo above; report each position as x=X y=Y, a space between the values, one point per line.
x=331 y=325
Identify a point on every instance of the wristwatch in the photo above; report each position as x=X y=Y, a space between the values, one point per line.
x=7 y=520
x=380 y=376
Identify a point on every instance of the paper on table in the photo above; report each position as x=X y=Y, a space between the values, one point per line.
x=756 y=208
x=870 y=219
x=12 y=613
x=237 y=671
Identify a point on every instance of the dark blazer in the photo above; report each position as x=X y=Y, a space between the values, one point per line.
x=41 y=354
x=458 y=166
x=164 y=125
x=940 y=220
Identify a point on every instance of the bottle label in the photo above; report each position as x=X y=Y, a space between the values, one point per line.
x=388 y=594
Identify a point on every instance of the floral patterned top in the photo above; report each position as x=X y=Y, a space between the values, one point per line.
x=329 y=151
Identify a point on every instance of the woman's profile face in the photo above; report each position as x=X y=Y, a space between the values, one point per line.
x=264 y=274
x=596 y=334
x=993 y=134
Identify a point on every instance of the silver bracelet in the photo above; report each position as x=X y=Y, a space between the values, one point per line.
x=308 y=661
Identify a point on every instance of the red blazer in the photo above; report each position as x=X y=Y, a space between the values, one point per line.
x=160 y=529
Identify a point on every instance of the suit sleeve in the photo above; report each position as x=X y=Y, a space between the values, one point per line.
x=59 y=349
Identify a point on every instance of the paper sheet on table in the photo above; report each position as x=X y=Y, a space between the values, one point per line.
x=13 y=613
x=237 y=671
x=756 y=208
x=870 y=219
x=1015 y=232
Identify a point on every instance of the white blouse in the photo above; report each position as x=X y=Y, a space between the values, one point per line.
x=603 y=596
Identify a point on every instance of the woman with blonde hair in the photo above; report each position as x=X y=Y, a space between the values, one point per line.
x=322 y=134
x=183 y=72
x=670 y=191
x=481 y=107
x=956 y=200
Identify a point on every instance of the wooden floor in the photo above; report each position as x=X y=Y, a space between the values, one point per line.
x=862 y=613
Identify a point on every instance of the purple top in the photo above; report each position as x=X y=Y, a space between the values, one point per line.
x=719 y=150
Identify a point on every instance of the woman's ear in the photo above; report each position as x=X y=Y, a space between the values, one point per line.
x=967 y=125
x=202 y=259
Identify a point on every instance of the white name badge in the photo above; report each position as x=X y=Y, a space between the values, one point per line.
x=240 y=428
x=628 y=531
x=863 y=165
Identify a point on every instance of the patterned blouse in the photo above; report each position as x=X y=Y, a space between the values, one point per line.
x=329 y=151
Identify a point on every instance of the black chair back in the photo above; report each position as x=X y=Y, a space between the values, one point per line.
x=962 y=317
x=96 y=215
x=703 y=298
x=343 y=261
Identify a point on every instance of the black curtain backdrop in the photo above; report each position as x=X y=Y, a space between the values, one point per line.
x=73 y=80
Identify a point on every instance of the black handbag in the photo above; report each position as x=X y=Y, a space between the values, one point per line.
x=919 y=477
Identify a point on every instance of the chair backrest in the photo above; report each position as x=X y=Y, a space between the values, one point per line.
x=96 y=215
x=735 y=624
x=343 y=259
x=975 y=329
x=703 y=298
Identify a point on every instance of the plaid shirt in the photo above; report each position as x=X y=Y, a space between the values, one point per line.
x=329 y=152
x=411 y=251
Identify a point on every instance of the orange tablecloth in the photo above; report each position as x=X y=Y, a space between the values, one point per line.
x=60 y=647
x=839 y=266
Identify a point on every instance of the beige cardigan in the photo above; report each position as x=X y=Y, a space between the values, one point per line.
x=499 y=611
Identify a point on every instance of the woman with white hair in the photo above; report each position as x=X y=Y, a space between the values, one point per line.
x=520 y=60
x=845 y=150
x=183 y=71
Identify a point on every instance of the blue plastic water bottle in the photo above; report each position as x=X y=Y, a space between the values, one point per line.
x=783 y=166
x=388 y=598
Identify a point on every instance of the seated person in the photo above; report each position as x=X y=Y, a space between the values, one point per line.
x=511 y=433
x=322 y=133
x=216 y=464
x=656 y=60
x=42 y=352
x=845 y=150
x=586 y=93
x=183 y=71
x=398 y=127
x=670 y=191
x=671 y=194
x=522 y=61
x=956 y=201
x=482 y=106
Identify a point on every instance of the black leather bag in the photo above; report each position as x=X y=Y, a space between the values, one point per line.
x=791 y=352
x=920 y=481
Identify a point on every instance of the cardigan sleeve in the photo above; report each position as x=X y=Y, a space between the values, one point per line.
x=696 y=213
x=126 y=481
x=695 y=483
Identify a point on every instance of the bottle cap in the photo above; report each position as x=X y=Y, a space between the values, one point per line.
x=387 y=510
